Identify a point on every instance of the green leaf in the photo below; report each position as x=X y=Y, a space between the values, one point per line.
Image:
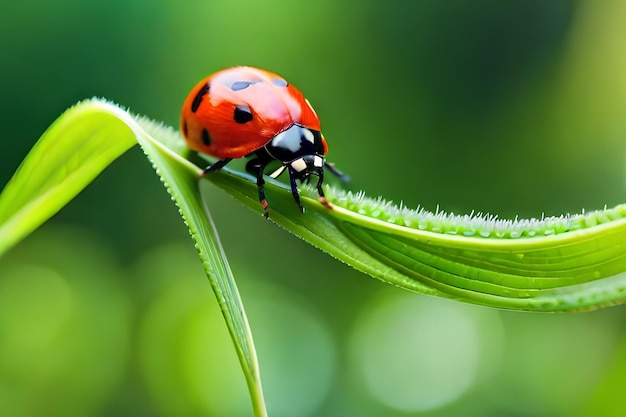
x=555 y=264
x=571 y=263
x=74 y=150
x=77 y=147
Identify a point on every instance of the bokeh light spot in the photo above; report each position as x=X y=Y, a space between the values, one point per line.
x=416 y=353
x=296 y=352
x=35 y=305
x=187 y=357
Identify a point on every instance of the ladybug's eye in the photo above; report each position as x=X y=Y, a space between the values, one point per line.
x=242 y=114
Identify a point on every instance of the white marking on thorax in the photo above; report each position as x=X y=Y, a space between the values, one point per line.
x=299 y=165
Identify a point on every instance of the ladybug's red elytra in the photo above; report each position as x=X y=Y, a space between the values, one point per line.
x=249 y=112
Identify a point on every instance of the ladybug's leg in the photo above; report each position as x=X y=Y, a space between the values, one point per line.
x=216 y=166
x=256 y=167
x=320 y=180
x=294 y=188
x=320 y=190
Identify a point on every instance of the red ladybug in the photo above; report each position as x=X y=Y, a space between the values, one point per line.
x=249 y=112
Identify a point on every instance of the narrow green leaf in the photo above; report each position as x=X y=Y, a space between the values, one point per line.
x=181 y=178
x=571 y=263
x=76 y=148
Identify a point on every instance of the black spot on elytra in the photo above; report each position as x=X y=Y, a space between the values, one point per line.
x=279 y=82
x=206 y=138
x=240 y=85
x=242 y=114
x=198 y=98
x=185 y=129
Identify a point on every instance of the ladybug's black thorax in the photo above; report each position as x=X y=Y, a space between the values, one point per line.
x=295 y=142
x=299 y=149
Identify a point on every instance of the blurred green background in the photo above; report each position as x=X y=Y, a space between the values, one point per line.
x=512 y=108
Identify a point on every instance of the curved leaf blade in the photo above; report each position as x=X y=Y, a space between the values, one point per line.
x=76 y=149
x=181 y=179
x=575 y=270
x=81 y=144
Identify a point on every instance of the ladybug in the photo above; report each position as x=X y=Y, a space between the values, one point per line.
x=249 y=112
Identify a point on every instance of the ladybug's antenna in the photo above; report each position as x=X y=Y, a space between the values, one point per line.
x=342 y=177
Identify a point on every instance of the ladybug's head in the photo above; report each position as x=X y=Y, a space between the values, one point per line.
x=300 y=149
